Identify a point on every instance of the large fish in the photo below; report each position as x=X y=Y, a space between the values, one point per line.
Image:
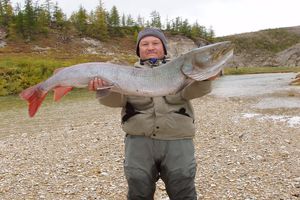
x=197 y=65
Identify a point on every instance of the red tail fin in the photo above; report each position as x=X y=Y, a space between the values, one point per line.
x=35 y=97
x=61 y=91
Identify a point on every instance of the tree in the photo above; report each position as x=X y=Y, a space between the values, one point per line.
x=59 y=18
x=114 y=17
x=42 y=20
x=114 y=22
x=197 y=30
x=129 y=21
x=140 y=21
x=16 y=26
x=98 y=28
x=1 y=14
x=29 y=20
x=6 y=13
x=155 y=20
x=185 y=28
x=168 y=25
x=176 y=25
x=48 y=7
x=79 y=19
x=210 y=34
x=123 y=20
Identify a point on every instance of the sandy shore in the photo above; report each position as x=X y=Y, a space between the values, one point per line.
x=74 y=150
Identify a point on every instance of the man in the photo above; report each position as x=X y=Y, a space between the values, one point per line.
x=159 y=130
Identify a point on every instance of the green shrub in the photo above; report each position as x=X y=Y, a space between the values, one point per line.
x=17 y=74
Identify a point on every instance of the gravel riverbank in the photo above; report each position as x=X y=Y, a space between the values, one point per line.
x=74 y=150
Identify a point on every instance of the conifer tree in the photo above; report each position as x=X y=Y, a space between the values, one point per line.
x=6 y=13
x=48 y=7
x=17 y=27
x=42 y=20
x=197 y=30
x=59 y=17
x=210 y=34
x=185 y=28
x=99 y=28
x=79 y=20
x=1 y=14
x=129 y=21
x=114 y=17
x=140 y=21
x=123 y=20
x=155 y=20
x=114 y=22
x=29 y=20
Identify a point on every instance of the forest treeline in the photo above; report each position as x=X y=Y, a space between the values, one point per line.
x=33 y=18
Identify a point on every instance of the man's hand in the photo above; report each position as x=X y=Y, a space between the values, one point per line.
x=98 y=84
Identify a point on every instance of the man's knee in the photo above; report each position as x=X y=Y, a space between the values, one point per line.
x=180 y=184
x=140 y=184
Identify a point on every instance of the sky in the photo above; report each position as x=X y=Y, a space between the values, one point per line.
x=225 y=17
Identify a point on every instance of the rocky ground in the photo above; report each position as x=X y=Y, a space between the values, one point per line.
x=74 y=150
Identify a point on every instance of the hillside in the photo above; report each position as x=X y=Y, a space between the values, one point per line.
x=271 y=47
x=60 y=47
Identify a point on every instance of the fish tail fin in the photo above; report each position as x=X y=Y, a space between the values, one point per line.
x=35 y=96
x=61 y=91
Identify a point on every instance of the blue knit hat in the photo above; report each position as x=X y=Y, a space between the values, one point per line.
x=151 y=32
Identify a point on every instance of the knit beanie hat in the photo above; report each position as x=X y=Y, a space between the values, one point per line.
x=151 y=32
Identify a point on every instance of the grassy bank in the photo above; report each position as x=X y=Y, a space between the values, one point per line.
x=259 y=70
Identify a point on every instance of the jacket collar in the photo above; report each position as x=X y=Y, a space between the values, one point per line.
x=153 y=62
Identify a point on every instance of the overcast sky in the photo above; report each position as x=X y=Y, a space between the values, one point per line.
x=224 y=16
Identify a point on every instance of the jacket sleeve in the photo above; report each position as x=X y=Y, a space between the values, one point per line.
x=196 y=89
x=113 y=99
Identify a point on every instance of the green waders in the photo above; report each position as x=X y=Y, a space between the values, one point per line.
x=147 y=160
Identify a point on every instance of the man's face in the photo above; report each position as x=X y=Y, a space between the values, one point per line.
x=151 y=47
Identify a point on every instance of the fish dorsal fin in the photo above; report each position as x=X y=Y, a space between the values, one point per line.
x=61 y=91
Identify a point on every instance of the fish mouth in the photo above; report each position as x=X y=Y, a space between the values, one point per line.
x=222 y=51
x=212 y=54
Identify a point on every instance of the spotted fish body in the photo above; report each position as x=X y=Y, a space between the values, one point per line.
x=196 y=65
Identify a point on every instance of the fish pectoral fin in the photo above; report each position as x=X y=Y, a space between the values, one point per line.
x=61 y=91
x=103 y=91
x=105 y=87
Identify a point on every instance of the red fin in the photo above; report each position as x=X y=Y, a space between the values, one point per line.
x=61 y=91
x=35 y=97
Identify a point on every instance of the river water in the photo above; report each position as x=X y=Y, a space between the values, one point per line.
x=273 y=88
x=272 y=92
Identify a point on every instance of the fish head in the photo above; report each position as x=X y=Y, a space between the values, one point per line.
x=205 y=62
